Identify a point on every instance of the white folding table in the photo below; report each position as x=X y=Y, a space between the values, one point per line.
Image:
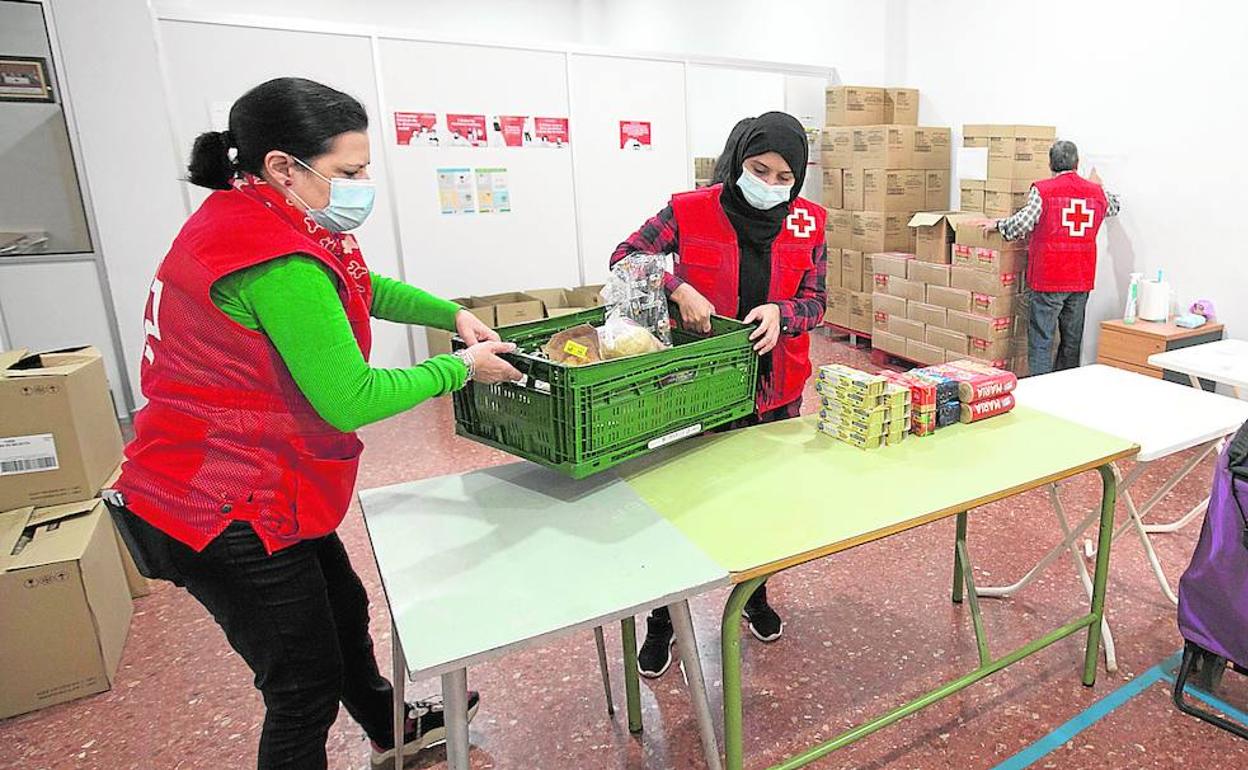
x=478 y=565
x=1161 y=417
x=1224 y=361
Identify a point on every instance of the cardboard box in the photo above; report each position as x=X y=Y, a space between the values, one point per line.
x=991 y=350
x=998 y=261
x=968 y=233
x=59 y=438
x=1002 y=197
x=904 y=327
x=947 y=340
x=932 y=148
x=930 y=274
x=840 y=229
x=928 y=355
x=926 y=313
x=884 y=147
x=934 y=232
x=66 y=607
x=958 y=321
x=972 y=194
x=860 y=311
x=834 y=269
x=995 y=306
x=936 y=190
x=875 y=231
x=901 y=287
x=833 y=188
x=854 y=105
x=989 y=328
x=949 y=298
x=512 y=307
x=888 y=342
x=853 y=189
x=901 y=106
x=975 y=135
x=892 y=190
x=852 y=270
x=885 y=306
x=138 y=584
x=838 y=308
x=963 y=256
x=558 y=302
x=1019 y=152
x=891 y=263
x=439 y=342
x=836 y=147
x=984 y=282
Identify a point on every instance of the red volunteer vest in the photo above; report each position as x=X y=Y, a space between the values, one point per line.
x=1063 y=245
x=709 y=260
x=226 y=434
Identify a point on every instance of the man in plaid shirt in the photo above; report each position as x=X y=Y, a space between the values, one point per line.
x=1063 y=215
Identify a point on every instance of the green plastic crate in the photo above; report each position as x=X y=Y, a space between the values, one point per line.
x=582 y=420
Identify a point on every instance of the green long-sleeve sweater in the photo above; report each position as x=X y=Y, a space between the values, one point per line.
x=294 y=300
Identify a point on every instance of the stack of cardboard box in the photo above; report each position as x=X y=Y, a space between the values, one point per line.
x=879 y=168
x=1017 y=157
x=66 y=578
x=960 y=296
x=516 y=307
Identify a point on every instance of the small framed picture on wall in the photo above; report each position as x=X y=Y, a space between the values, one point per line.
x=24 y=79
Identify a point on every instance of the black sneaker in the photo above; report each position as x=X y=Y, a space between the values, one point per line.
x=764 y=623
x=655 y=656
x=426 y=727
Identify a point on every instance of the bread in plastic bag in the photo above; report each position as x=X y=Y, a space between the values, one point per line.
x=577 y=346
x=635 y=291
x=622 y=337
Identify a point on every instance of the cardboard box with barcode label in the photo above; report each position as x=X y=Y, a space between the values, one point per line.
x=836 y=147
x=901 y=106
x=884 y=147
x=854 y=105
x=64 y=605
x=439 y=341
x=893 y=190
x=59 y=438
x=1019 y=152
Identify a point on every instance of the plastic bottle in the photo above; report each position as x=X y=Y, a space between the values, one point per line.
x=1133 y=298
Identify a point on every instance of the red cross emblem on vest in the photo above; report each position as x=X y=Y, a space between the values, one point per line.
x=800 y=223
x=1077 y=217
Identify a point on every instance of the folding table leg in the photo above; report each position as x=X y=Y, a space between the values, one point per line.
x=601 y=642
x=399 y=684
x=1109 y=490
x=687 y=646
x=730 y=653
x=455 y=701
x=632 y=684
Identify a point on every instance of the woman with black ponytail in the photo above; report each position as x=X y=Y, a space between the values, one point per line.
x=256 y=373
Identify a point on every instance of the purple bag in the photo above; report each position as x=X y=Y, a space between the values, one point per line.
x=1213 y=592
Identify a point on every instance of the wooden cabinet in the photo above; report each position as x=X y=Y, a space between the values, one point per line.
x=1128 y=346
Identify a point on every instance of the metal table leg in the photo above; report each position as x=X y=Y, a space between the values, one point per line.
x=730 y=642
x=687 y=646
x=399 y=685
x=632 y=684
x=601 y=643
x=455 y=698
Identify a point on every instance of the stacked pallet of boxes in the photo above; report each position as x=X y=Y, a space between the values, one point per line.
x=1017 y=157
x=879 y=167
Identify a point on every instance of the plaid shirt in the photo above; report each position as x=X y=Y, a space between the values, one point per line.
x=1024 y=220
x=798 y=315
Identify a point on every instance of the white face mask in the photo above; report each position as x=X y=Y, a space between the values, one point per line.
x=350 y=202
x=761 y=195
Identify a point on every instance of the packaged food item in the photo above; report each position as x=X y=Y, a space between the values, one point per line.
x=622 y=337
x=861 y=409
x=635 y=291
x=948 y=413
x=985 y=408
x=977 y=381
x=923 y=421
x=577 y=346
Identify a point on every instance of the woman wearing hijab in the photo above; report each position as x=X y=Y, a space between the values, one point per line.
x=746 y=247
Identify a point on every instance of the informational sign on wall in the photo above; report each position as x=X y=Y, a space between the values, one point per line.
x=512 y=130
x=492 y=193
x=456 y=191
x=466 y=130
x=551 y=132
x=419 y=128
x=634 y=134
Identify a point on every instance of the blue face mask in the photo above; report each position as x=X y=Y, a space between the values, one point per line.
x=350 y=202
x=761 y=195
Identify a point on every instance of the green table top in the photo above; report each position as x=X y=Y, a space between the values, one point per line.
x=479 y=564
x=772 y=497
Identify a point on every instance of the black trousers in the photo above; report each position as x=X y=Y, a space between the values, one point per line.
x=299 y=618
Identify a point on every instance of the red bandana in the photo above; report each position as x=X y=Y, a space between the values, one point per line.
x=342 y=245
